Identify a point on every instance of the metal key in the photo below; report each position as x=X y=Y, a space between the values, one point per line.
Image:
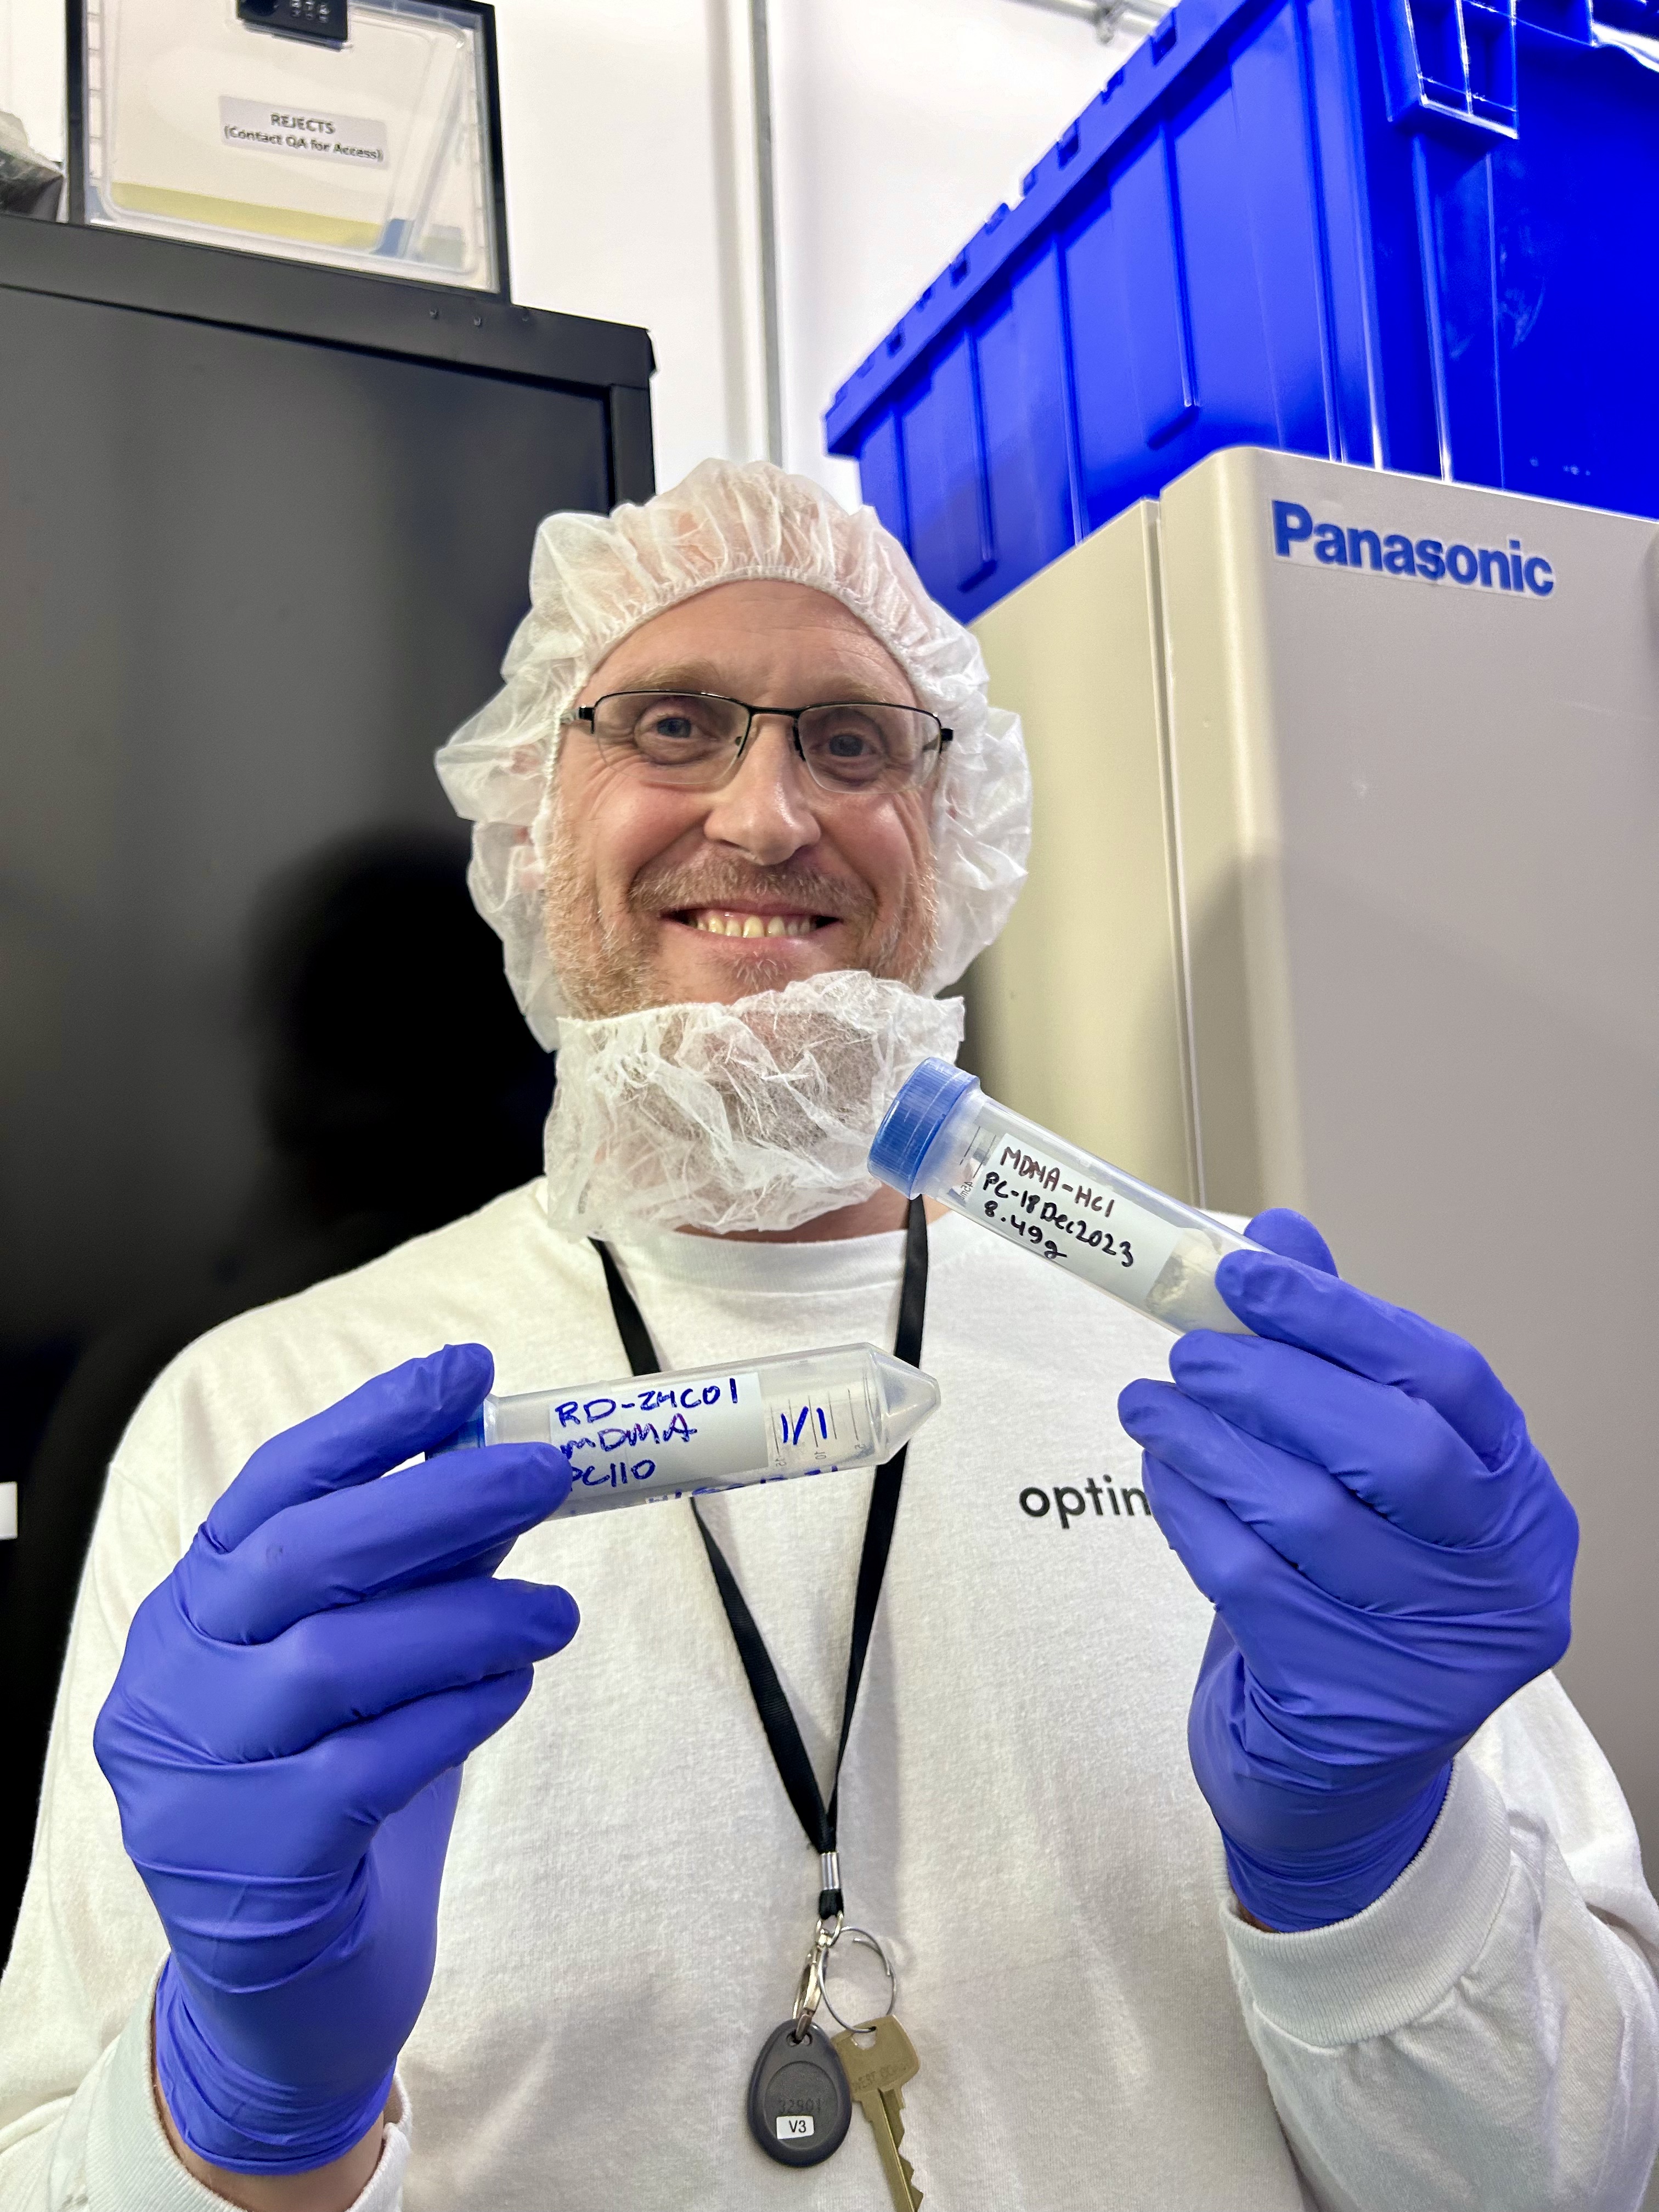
x=876 y=2074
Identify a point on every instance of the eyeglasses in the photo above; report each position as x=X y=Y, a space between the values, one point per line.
x=694 y=740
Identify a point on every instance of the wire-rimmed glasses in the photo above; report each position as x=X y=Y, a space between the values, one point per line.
x=695 y=739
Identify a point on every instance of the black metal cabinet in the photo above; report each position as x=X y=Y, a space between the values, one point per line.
x=264 y=534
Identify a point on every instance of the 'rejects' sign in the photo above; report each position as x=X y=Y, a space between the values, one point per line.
x=357 y=139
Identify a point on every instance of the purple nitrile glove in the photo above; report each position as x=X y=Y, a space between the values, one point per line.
x=1389 y=1556
x=284 y=1740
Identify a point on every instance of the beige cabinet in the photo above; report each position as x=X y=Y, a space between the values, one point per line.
x=1077 y=1011
x=1344 y=894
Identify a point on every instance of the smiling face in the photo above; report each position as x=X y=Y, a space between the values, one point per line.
x=658 y=894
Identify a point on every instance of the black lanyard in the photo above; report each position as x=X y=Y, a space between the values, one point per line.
x=782 y=1733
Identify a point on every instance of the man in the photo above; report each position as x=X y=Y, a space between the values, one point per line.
x=1431 y=1980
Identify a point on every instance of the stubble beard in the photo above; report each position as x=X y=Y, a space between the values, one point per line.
x=607 y=969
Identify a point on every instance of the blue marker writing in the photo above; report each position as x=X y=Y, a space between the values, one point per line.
x=673 y=1435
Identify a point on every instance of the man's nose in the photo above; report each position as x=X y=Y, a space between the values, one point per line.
x=766 y=811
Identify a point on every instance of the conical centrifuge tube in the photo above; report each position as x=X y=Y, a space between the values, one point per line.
x=944 y=1138
x=714 y=1428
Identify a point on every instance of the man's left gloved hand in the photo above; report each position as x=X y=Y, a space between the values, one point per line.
x=1389 y=1556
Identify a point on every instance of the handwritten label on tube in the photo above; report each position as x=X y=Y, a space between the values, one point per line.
x=1089 y=1228
x=673 y=1440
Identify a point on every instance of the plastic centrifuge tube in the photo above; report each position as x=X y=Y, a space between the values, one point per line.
x=944 y=1138
x=713 y=1428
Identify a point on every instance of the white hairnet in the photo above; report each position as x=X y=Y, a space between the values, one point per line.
x=593 y=579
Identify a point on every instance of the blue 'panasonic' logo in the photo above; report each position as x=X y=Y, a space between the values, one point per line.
x=1508 y=568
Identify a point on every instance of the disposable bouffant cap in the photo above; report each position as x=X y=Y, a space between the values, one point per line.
x=913 y=1123
x=594 y=578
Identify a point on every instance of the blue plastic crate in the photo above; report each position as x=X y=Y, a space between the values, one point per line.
x=1421 y=234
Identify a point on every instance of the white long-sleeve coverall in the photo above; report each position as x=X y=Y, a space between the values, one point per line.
x=628 y=1895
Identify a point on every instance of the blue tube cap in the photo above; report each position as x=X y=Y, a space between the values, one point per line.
x=912 y=1123
x=468 y=1437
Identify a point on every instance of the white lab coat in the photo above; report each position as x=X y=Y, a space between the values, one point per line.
x=628 y=1895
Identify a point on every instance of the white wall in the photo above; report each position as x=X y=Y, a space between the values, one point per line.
x=630 y=172
x=31 y=71
x=898 y=126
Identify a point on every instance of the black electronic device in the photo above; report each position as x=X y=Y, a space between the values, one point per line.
x=324 y=19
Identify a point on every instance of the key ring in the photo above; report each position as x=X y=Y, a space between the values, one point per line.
x=809 y=1990
x=855 y=1936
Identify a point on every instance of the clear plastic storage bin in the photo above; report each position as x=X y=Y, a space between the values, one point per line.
x=375 y=154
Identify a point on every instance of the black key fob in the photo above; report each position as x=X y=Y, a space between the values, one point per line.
x=800 y=2104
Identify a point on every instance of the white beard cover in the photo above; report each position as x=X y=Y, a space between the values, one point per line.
x=754 y=1116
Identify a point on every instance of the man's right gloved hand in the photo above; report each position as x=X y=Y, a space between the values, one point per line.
x=285 y=1739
